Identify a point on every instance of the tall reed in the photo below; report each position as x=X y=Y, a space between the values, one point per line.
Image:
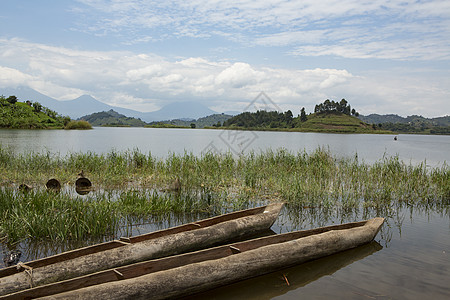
x=131 y=185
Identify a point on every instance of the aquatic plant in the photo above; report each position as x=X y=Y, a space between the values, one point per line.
x=81 y=124
x=131 y=185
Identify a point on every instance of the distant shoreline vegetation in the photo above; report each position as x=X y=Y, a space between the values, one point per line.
x=33 y=115
x=335 y=117
x=81 y=124
x=329 y=117
x=165 y=125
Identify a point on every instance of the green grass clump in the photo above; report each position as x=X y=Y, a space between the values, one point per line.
x=42 y=215
x=81 y=124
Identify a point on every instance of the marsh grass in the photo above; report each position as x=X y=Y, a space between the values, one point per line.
x=134 y=186
x=81 y=124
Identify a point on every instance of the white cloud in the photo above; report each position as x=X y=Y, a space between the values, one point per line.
x=13 y=78
x=146 y=81
x=238 y=75
x=374 y=28
x=289 y=38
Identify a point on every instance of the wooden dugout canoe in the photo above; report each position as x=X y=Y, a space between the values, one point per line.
x=185 y=238
x=186 y=274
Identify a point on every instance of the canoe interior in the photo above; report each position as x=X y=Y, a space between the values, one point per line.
x=126 y=240
x=139 y=269
x=196 y=225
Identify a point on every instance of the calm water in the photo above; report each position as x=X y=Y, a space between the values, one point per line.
x=370 y=147
x=409 y=258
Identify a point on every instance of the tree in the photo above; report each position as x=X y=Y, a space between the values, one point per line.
x=345 y=107
x=288 y=115
x=303 y=117
x=327 y=105
x=66 y=120
x=52 y=114
x=12 y=99
x=192 y=125
x=332 y=106
x=37 y=107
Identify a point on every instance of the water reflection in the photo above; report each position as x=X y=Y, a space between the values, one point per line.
x=281 y=282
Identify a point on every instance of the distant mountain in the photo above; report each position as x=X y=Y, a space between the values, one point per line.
x=179 y=110
x=212 y=120
x=25 y=93
x=86 y=105
x=203 y=122
x=391 y=118
x=76 y=108
x=112 y=118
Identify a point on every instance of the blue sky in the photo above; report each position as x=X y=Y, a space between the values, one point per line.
x=382 y=56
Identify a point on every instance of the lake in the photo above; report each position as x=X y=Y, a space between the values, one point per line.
x=160 y=142
x=409 y=258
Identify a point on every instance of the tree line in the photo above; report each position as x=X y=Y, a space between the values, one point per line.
x=262 y=118
x=331 y=106
x=275 y=119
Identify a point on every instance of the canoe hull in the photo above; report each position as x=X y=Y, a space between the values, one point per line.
x=197 y=277
x=160 y=246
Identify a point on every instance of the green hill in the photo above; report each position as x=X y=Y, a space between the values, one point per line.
x=337 y=122
x=112 y=118
x=323 y=121
x=20 y=115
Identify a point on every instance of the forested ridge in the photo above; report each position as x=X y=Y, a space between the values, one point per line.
x=329 y=116
x=28 y=115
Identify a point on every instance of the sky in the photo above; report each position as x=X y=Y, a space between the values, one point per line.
x=382 y=56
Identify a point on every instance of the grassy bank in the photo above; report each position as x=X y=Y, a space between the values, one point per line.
x=136 y=185
x=28 y=115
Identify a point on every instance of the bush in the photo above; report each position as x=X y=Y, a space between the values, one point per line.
x=78 y=125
